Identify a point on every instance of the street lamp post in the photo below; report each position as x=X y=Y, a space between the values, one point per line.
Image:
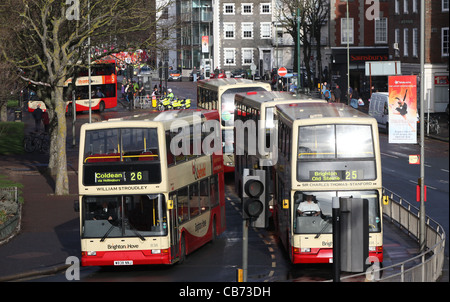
x=422 y=231
x=348 y=58
x=89 y=63
x=299 y=83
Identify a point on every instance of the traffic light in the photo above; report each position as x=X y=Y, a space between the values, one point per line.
x=254 y=198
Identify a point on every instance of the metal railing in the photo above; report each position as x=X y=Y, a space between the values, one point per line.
x=425 y=267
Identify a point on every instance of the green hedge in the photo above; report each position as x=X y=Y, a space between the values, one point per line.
x=11 y=138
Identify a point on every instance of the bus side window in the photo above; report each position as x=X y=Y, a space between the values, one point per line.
x=214 y=191
x=204 y=195
x=194 y=209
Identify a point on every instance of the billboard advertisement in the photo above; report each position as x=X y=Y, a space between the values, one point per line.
x=403 y=109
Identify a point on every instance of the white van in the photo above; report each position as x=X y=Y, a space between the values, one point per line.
x=379 y=109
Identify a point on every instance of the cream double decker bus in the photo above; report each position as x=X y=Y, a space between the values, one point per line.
x=259 y=107
x=325 y=151
x=219 y=94
x=151 y=187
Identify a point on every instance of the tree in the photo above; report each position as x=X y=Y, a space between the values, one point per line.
x=313 y=15
x=49 y=41
x=8 y=87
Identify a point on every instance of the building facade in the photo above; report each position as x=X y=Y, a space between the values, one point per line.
x=368 y=40
x=404 y=34
x=243 y=33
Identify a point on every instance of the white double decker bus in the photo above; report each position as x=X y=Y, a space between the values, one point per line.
x=325 y=151
x=151 y=189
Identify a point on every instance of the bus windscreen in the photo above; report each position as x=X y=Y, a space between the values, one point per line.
x=335 y=153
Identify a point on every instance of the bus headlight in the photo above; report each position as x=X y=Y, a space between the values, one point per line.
x=91 y=253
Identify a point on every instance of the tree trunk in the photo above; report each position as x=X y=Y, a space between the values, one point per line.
x=58 y=157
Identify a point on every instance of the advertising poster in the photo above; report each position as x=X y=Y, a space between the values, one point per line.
x=205 y=44
x=403 y=109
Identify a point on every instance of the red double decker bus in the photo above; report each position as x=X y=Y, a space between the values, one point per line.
x=103 y=89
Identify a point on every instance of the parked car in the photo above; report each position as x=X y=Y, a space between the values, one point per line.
x=174 y=75
x=239 y=73
x=221 y=75
x=145 y=70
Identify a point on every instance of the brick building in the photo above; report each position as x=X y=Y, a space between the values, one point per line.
x=404 y=39
x=368 y=40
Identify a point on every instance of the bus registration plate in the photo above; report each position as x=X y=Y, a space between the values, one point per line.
x=123 y=262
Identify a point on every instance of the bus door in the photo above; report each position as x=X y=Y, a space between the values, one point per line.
x=174 y=248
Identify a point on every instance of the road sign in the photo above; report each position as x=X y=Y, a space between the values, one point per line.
x=282 y=71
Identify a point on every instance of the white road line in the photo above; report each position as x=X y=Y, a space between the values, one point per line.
x=416 y=183
x=390 y=155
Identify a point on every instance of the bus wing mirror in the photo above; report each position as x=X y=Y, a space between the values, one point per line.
x=170 y=204
x=285 y=204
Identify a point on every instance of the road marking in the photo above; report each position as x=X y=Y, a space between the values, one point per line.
x=390 y=155
x=428 y=186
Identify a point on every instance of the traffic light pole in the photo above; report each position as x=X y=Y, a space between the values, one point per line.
x=245 y=248
x=336 y=213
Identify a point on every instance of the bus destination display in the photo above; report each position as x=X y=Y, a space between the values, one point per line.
x=336 y=175
x=121 y=177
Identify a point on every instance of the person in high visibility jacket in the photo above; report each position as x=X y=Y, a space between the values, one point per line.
x=170 y=94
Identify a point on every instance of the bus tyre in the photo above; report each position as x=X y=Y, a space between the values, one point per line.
x=214 y=232
x=182 y=250
x=101 y=106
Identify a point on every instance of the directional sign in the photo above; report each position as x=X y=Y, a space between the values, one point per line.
x=282 y=71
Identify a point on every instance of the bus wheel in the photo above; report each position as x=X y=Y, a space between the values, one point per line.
x=214 y=232
x=182 y=250
x=101 y=106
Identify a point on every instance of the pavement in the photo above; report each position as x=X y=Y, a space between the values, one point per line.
x=49 y=225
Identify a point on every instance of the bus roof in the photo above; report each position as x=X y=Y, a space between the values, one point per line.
x=216 y=83
x=256 y=98
x=318 y=110
x=165 y=117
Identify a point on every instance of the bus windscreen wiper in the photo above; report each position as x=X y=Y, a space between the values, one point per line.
x=119 y=222
x=133 y=229
x=327 y=220
x=110 y=229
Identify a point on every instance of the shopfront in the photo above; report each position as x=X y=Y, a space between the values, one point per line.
x=358 y=81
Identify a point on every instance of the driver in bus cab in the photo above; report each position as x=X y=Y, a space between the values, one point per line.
x=105 y=213
x=308 y=207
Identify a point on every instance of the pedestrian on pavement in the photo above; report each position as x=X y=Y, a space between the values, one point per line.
x=46 y=121
x=337 y=94
x=37 y=115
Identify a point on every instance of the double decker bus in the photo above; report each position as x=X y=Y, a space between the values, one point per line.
x=103 y=89
x=259 y=107
x=150 y=189
x=219 y=94
x=324 y=151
